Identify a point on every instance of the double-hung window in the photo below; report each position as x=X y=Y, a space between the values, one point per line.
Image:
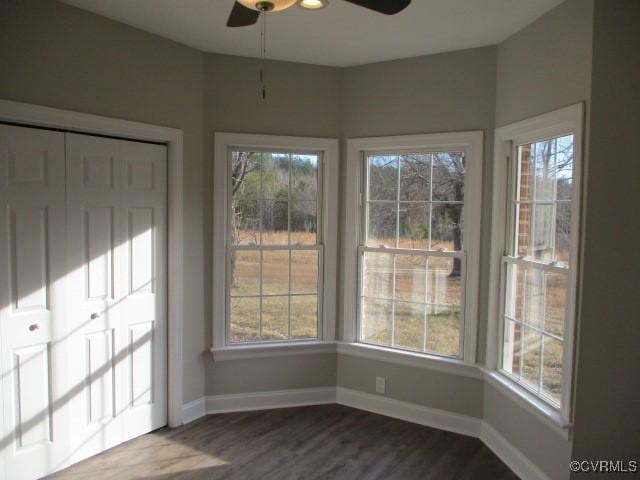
x=539 y=253
x=272 y=231
x=419 y=210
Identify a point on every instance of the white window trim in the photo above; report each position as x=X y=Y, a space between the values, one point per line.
x=328 y=147
x=472 y=144
x=553 y=124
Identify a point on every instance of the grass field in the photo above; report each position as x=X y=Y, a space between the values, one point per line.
x=426 y=314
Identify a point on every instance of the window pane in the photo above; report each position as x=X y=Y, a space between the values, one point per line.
x=525 y=294
x=525 y=174
x=245 y=222
x=303 y=222
x=410 y=278
x=563 y=233
x=382 y=224
x=524 y=222
x=414 y=225
x=556 y=297
x=304 y=316
x=304 y=271
x=377 y=271
x=245 y=272
x=443 y=329
x=552 y=368
x=545 y=170
x=446 y=226
x=448 y=176
x=275 y=222
x=443 y=281
x=275 y=271
x=275 y=176
x=304 y=177
x=543 y=232
x=376 y=321
x=275 y=318
x=512 y=349
x=245 y=319
x=409 y=325
x=383 y=177
x=564 y=167
x=531 y=357
x=415 y=177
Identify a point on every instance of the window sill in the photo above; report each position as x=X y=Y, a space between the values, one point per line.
x=412 y=359
x=274 y=349
x=530 y=402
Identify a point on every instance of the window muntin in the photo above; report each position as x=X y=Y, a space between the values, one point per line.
x=412 y=257
x=274 y=250
x=537 y=266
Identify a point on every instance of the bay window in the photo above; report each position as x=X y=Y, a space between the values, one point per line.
x=536 y=229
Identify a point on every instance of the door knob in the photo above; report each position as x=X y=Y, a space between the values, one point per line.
x=94 y=316
x=33 y=327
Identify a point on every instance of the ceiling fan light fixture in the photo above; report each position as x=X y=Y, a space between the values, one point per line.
x=313 y=4
x=268 y=5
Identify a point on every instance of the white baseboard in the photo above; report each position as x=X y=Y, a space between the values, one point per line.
x=193 y=410
x=420 y=414
x=510 y=455
x=273 y=399
x=427 y=416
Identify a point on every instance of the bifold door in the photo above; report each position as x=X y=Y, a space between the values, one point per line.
x=83 y=324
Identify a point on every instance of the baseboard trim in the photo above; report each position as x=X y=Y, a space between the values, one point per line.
x=410 y=412
x=427 y=416
x=194 y=410
x=510 y=455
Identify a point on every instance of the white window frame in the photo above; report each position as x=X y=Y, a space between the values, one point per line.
x=327 y=148
x=471 y=143
x=568 y=120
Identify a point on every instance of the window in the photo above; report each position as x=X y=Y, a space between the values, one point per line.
x=538 y=259
x=275 y=210
x=419 y=210
x=274 y=249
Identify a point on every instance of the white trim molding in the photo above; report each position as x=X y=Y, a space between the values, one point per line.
x=568 y=120
x=35 y=115
x=410 y=412
x=451 y=366
x=472 y=144
x=328 y=148
x=275 y=349
x=517 y=461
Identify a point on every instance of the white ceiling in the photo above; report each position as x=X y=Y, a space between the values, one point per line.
x=341 y=34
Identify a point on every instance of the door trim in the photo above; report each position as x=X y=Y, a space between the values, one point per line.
x=36 y=115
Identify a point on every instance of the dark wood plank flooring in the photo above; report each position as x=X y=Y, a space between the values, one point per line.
x=317 y=442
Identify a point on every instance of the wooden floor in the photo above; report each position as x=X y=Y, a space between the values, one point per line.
x=318 y=442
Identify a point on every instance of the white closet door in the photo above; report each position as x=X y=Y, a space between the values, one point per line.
x=116 y=214
x=35 y=394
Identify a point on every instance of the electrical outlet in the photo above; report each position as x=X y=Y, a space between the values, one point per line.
x=381 y=385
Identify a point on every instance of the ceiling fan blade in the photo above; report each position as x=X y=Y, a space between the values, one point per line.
x=242 y=16
x=388 y=7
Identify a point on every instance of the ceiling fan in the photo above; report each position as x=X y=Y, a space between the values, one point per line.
x=247 y=12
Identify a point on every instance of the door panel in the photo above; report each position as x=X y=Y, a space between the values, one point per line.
x=116 y=198
x=35 y=398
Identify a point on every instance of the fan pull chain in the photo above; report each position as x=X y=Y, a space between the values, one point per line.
x=263 y=51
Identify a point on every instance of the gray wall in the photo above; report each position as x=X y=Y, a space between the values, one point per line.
x=301 y=100
x=59 y=56
x=544 y=67
x=607 y=424
x=434 y=389
x=547 y=65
